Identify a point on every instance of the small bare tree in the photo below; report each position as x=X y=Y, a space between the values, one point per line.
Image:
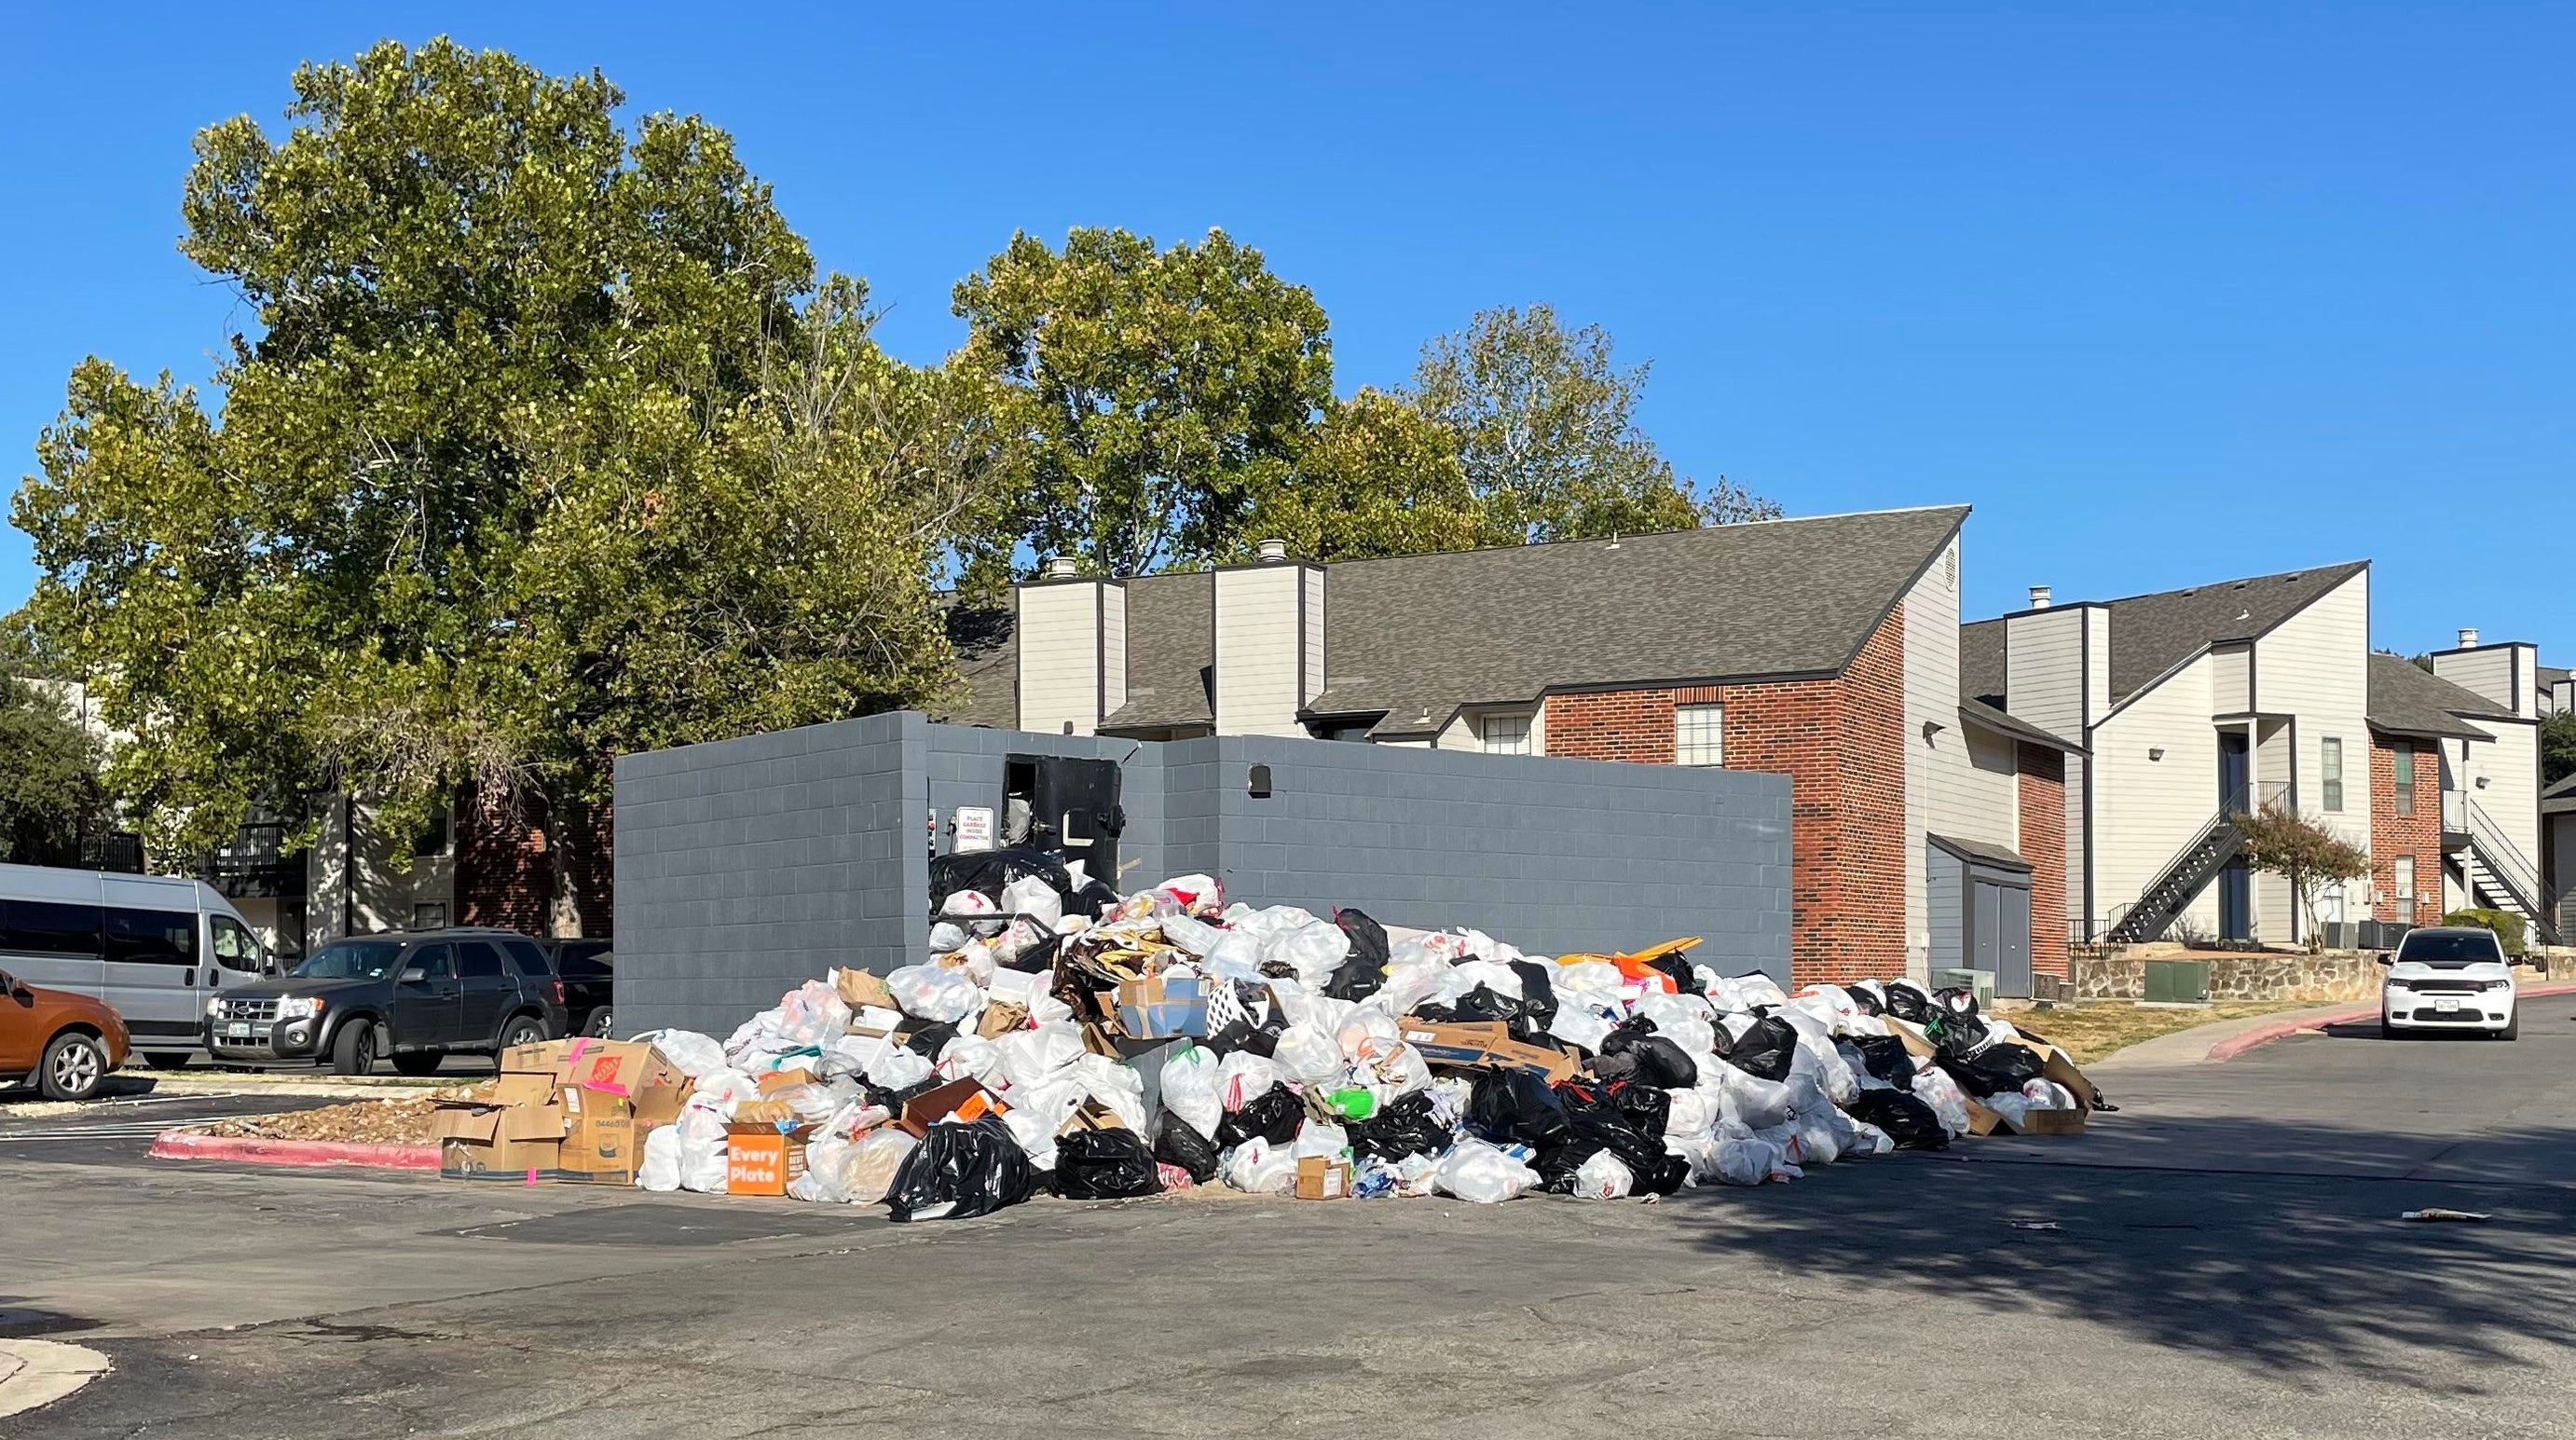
x=2310 y=857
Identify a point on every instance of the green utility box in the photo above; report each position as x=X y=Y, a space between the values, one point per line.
x=2177 y=982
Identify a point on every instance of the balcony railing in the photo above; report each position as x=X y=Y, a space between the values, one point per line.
x=257 y=863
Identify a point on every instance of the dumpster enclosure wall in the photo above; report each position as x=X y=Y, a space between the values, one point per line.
x=745 y=867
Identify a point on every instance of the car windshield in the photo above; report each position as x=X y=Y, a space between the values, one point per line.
x=351 y=960
x=2452 y=948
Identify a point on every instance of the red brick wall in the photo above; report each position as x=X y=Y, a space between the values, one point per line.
x=2392 y=835
x=2043 y=844
x=1841 y=742
x=502 y=867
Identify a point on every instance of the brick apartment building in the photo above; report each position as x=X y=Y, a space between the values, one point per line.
x=1927 y=831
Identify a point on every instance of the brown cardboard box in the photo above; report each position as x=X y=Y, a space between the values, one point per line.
x=1982 y=1121
x=859 y=989
x=962 y=1098
x=1321 y=1179
x=514 y=1089
x=1486 y=1042
x=543 y=1058
x=762 y=1159
x=629 y=1070
x=1001 y=1018
x=777 y=1080
x=2051 y=1122
x=496 y=1139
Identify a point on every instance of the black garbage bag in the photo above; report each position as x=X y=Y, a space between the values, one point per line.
x=1242 y=1018
x=1865 y=999
x=892 y=1100
x=959 y=1171
x=1909 y=1002
x=1955 y=1001
x=1274 y=1115
x=1480 y=1004
x=1404 y=1126
x=1516 y=1105
x=1592 y=1130
x=1621 y=1066
x=1673 y=967
x=1538 y=992
x=1653 y=1060
x=1885 y=1057
x=1908 y=1121
x=1996 y=1070
x=1180 y=1144
x=1646 y=1108
x=930 y=1039
x=1105 y=1165
x=1092 y=898
x=1957 y=1035
x=1764 y=1050
x=1364 y=969
x=990 y=870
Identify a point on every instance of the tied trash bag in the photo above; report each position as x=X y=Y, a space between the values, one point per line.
x=1934 y=1087
x=1909 y=1002
x=660 y=1171
x=1906 y=1118
x=990 y=872
x=1105 y=1165
x=929 y=992
x=1364 y=969
x=1257 y=1167
x=960 y=1171
x=1408 y=1125
x=1602 y=1177
x=1272 y=1115
x=1882 y=1056
x=1181 y=1145
x=1517 y=1105
x=1766 y=1050
x=1999 y=1070
x=1190 y=1078
x=1475 y=1171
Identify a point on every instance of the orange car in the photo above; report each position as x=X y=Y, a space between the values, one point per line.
x=66 y=1043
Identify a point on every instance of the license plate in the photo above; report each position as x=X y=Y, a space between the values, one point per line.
x=237 y=1032
x=2447 y=1007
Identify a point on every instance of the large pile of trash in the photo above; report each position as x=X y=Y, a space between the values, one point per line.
x=1106 y=1046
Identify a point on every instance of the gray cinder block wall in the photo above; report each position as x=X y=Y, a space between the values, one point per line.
x=748 y=866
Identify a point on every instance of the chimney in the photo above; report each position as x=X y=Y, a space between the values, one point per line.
x=1062 y=567
x=2040 y=596
x=1269 y=643
x=1072 y=650
x=2469 y=638
x=1273 y=552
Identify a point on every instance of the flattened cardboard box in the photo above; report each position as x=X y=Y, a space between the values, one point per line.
x=491 y=1139
x=1486 y=1042
x=2051 y=1122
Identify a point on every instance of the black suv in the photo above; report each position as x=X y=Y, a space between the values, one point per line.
x=413 y=997
x=588 y=970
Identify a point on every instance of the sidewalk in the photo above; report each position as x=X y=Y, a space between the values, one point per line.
x=40 y=1372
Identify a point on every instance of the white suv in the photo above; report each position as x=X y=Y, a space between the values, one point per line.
x=2448 y=978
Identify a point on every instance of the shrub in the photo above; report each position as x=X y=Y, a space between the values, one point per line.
x=2507 y=926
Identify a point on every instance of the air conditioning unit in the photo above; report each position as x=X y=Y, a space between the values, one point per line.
x=2342 y=934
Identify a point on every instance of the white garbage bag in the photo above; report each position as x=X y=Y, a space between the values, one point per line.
x=1691 y=1112
x=1579 y=1024
x=2046 y=1094
x=1236 y=955
x=873 y=1163
x=1478 y=1172
x=1934 y=1087
x=812 y=1014
x=689 y=1052
x=1029 y=1058
x=728 y=1088
x=1748 y=1161
x=1243 y=1077
x=1196 y=937
x=977 y=913
x=1114 y=1085
x=826 y=1178
x=1307 y=1056
x=1368 y=1036
x=929 y=992
x=1319 y=1139
x=1257 y=1168
x=1603 y=1177
x=660 y=1171
x=1190 y=1088
x=969 y=1057
x=896 y=1067
x=1032 y=896
x=701 y=1132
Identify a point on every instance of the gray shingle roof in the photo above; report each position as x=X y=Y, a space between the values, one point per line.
x=2150 y=634
x=2405 y=700
x=2559 y=799
x=2001 y=856
x=1979 y=712
x=1422 y=635
x=1416 y=638
x=986 y=640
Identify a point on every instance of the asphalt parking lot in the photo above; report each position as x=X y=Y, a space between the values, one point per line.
x=2226 y=1258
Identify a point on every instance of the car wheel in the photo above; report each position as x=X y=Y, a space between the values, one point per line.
x=74 y=1068
x=602 y=1024
x=417 y=1062
x=2390 y=1032
x=353 y=1050
x=2512 y=1028
x=169 y=1059
x=522 y=1030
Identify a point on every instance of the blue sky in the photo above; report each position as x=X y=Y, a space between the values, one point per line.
x=2169 y=293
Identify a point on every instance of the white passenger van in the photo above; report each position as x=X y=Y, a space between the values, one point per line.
x=156 y=948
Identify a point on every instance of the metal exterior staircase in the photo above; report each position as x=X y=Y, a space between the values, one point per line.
x=2493 y=863
x=2184 y=877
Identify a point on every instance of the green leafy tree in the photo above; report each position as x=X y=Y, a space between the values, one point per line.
x=1162 y=392
x=545 y=448
x=2279 y=841
x=1547 y=432
x=1376 y=478
x=2558 y=747
x=49 y=787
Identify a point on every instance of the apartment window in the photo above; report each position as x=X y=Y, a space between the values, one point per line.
x=2334 y=774
x=2405 y=876
x=1505 y=734
x=2405 y=763
x=429 y=915
x=1699 y=735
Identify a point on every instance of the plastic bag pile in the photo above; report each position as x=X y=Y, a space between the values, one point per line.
x=1680 y=1075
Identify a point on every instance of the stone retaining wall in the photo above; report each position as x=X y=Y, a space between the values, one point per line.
x=2349 y=975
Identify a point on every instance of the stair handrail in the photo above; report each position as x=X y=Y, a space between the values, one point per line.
x=2173 y=863
x=2500 y=855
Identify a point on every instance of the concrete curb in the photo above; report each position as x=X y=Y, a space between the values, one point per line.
x=183 y=1144
x=36 y=1373
x=2234 y=1046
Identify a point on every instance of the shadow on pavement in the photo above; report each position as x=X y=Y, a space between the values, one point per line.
x=2284 y=1270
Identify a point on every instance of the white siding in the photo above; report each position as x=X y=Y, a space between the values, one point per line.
x=1979 y=798
x=1059 y=657
x=1466 y=732
x=1461 y=735
x=1931 y=698
x=2043 y=668
x=1311 y=595
x=2150 y=808
x=2491 y=671
x=2230 y=674
x=2562 y=847
x=2274 y=778
x=2315 y=668
x=1259 y=672
x=2510 y=766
